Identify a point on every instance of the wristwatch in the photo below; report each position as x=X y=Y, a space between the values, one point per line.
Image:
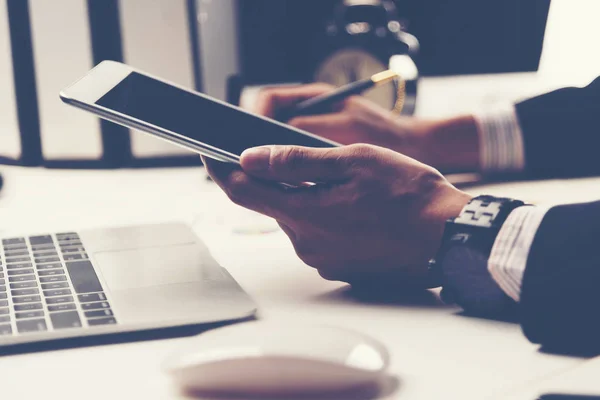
x=461 y=264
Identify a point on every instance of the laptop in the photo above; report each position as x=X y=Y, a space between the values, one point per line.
x=107 y=281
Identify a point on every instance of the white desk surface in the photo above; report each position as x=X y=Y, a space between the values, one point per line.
x=435 y=352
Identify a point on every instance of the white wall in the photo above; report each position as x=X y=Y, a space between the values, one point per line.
x=571 y=54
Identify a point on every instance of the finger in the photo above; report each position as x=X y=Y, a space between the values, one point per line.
x=271 y=100
x=257 y=195
x=293 y=164
x=219 y=171
x=287 y=230
x=241 y=188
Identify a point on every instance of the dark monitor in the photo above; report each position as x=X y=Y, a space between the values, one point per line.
x=279 y=39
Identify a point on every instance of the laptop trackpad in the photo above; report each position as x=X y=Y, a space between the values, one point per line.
x=156 y=266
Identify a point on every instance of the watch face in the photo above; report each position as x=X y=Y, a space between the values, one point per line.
x=350 y=65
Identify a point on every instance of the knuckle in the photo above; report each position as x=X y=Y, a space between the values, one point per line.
x=333 y=160
x=429 y=179
x=267 y=95
x=354 y=101
x=363 y=153
x=267 y=101
x=288 y=157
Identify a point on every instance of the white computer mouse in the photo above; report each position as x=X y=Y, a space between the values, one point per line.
x=266 y=358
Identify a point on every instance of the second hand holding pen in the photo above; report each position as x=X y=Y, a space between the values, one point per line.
x=322 y=103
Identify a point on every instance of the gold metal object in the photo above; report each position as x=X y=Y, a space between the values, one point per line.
x=384 y=77
x=387 y=76
x=400 y=94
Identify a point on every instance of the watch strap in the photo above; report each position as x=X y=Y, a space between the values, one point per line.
x=487 y=211
x=460 y=266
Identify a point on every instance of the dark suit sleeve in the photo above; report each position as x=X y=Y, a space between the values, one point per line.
x=561 y=132
x=560 y=297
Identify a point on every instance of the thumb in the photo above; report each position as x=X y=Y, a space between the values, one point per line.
x=295 y=164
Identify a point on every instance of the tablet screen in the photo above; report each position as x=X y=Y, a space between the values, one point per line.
x=198 y=118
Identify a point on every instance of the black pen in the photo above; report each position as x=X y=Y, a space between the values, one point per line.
x=323 y=103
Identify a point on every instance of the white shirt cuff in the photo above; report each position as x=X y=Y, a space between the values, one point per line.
x=500 y=141
x=508 y=258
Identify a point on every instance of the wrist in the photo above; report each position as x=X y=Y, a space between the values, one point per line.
x=461 y=264
x=447 y=204
x=453 y=143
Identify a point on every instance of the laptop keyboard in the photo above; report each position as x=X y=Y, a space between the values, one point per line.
x=48 y=283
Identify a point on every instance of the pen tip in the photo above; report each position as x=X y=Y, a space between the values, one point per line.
x=383 y=77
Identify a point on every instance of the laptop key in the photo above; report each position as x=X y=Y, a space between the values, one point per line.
x=51 y=272
x=3 y=296
x=56 y=278
x=98 y=313
x=12 y=241
x=83 y=277
x=2 y=288
x=28 y=307
x=95 y=306
x=2 y=281
x=45 y=267
x=45 y=253
x=5 y=330
x=76 y=256
x=25 y=292
x=19 y=272
x=4 y=318
x=46 y=260
x=63 y=320
x=23 y=285
x=29 y=314
x=67 y=236
x=26 y=299
x=40 y=239
x=55 y=285
x=59 y=300
x=70 y=243
x=3 y=303
x=17 y=260
x=4 y=311
x=43 y=247
x=31 y=325
x=62 y=307
x=75 y=249
x=20 y=246
x=102 y=321
x=21 y=278
x=19 y=266
x=91 y=297
x=16 y=253
x=57 y=292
